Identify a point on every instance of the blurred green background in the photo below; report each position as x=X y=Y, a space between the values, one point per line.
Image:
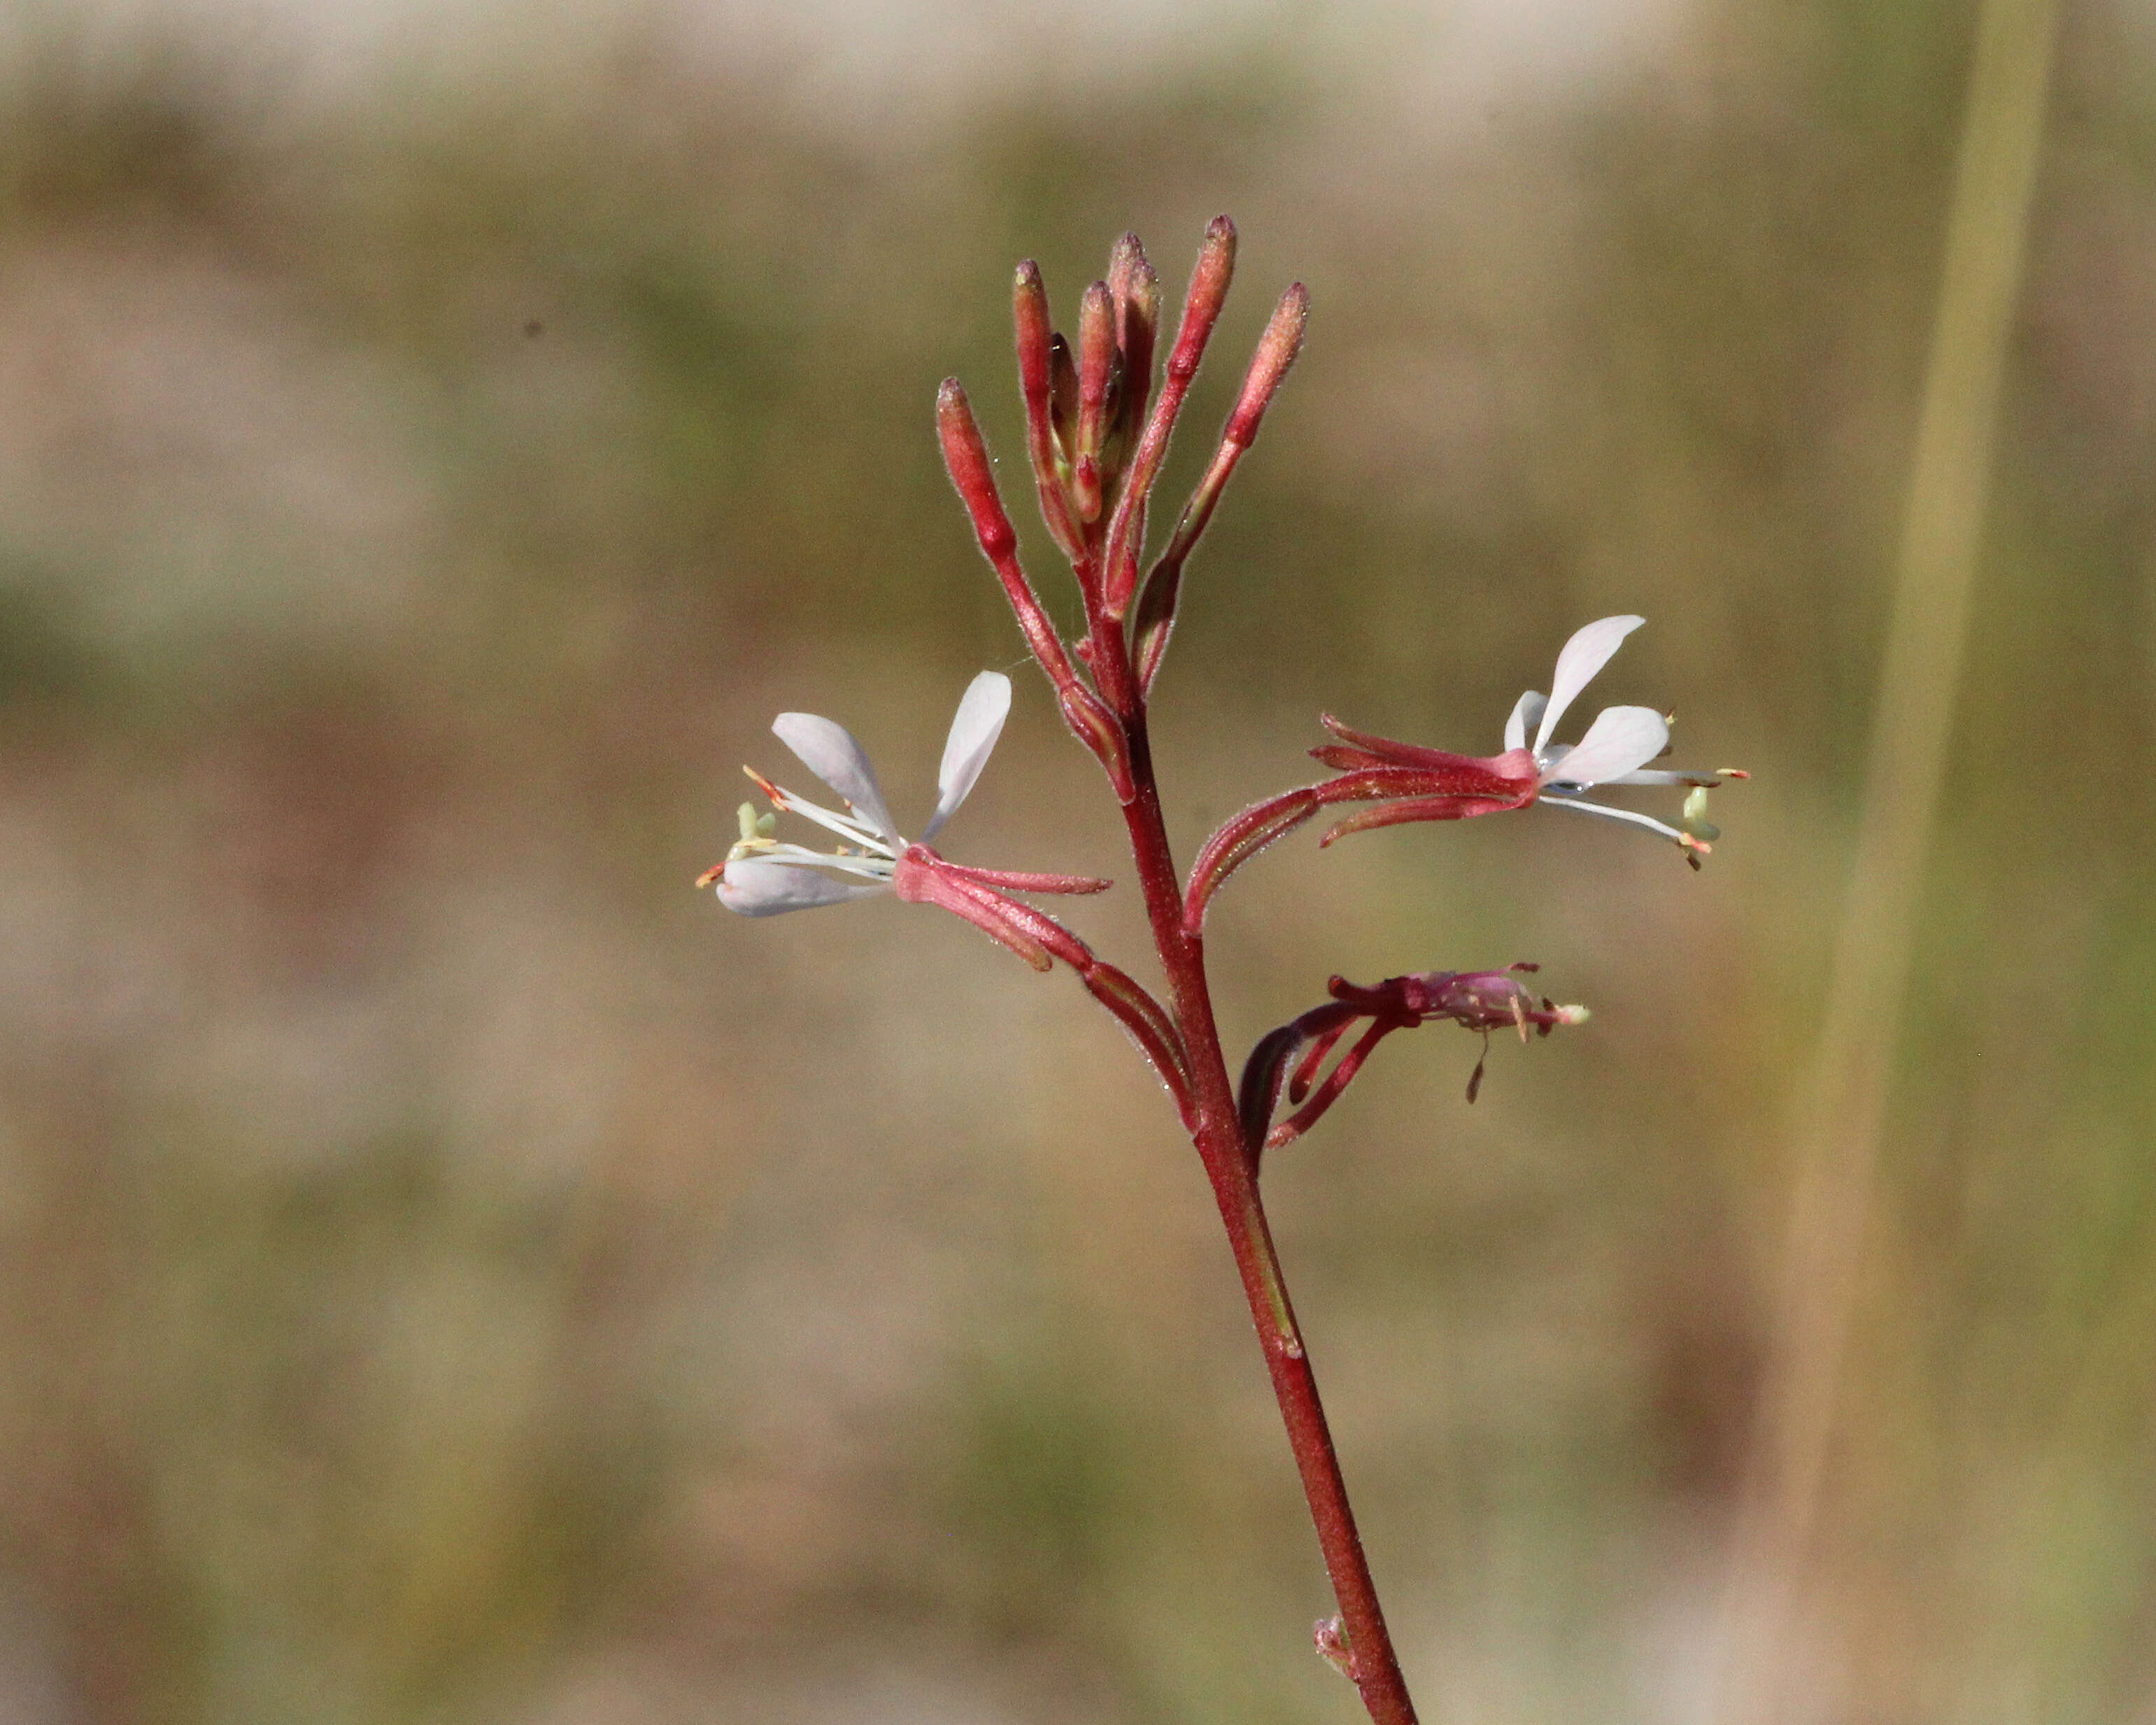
x=449 y=1271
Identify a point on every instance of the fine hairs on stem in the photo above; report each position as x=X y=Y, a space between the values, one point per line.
x=1099 y=422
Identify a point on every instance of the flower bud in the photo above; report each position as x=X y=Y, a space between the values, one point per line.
x=1097 y=363
x=1276 y=350
x=1037 y=342
x=1136 y=290
x=1208 y=291
x=1035 y=331
x=966 y=458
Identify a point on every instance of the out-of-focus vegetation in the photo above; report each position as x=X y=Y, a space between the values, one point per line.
x=449 y=1271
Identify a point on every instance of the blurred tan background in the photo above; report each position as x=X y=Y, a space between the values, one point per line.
x=449 y=1271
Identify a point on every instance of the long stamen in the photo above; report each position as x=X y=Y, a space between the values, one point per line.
x=1684 y=841
x=799 y=856
x=854 y=831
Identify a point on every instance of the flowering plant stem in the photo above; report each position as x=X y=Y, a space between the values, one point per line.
x=1095 y=439
x=1096 y=436
x=1231 y=1165
x=1094 y=468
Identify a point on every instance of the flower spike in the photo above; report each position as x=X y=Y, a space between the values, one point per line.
x=1098 y=422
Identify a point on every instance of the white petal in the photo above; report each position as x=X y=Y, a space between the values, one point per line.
x=1620 y=739
x=764 y=886
x=1585 y=654
x=974 y=729
x=829 y=751
x=1526 y=710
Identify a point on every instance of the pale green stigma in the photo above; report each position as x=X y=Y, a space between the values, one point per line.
x=1695 y=821
x=756 y=831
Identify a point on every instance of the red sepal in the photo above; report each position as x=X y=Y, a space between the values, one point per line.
x=1449 y=806
x=924 y=878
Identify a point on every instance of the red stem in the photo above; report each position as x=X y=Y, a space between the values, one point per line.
x=1218 y=1135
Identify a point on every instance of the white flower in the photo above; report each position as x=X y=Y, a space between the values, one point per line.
x=762 y=876
x=1617 y=746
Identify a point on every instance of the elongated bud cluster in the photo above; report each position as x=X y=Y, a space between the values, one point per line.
x=1085 y=409
x=1097 y=435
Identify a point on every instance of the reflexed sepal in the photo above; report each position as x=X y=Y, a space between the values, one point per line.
x=1238 y=839
x=1408 y=782
x=1149 y=1026
x=922 y=877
